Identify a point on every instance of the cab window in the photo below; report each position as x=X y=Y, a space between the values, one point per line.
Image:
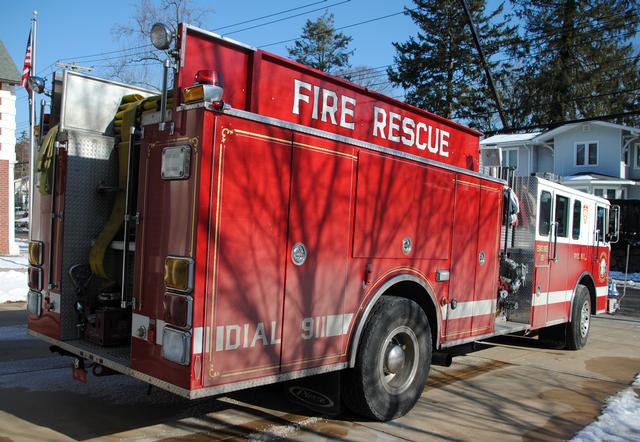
x=544 y=224
x=577 y=217
x=600 y=219
x=562 y=215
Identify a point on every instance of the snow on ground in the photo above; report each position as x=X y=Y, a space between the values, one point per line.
x=14 y=262
x=13 y=286
x=619 y=421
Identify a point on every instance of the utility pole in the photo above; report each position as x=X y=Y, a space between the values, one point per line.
x=492 y=84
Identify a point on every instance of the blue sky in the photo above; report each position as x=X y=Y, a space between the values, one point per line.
x=69 y=29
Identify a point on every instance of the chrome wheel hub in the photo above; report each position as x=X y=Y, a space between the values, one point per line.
x=395 y=359
x=398 y=362
x=585 y=313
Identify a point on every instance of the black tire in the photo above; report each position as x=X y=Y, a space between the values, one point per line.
x=397 y=327
x=578 y=328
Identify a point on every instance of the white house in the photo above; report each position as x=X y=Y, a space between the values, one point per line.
x=9 y=78
x=596 y=157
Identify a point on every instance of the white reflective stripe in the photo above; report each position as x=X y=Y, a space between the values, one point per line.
x=552 y=297
x=159 y=329
x=197 y=339
x=560 y=296
x=346 y=323
x=469 y=309
x=602 y=291
x=484 y=307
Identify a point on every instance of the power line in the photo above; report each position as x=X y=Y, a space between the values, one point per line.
x=82 y=57
x=287 y=18
x=571 y=100
x=605 y=19
x=576 y=44
x=336 y=29
x=269 y=15
x=552 y=125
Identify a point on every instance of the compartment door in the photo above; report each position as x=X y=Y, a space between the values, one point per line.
x=464 y=259
x=315 y=324
x=544 y=254
x=485 y=296
x=247 y=244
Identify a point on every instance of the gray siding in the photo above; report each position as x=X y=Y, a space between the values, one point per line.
x=545 y=160
x=523 y=161
x=633 y=172
x=633 y=192
x=609 y=151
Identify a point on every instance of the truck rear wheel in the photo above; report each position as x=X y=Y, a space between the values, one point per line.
x=393 y=361
x=578 y=328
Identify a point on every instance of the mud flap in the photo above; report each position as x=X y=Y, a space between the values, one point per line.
x=320 y=393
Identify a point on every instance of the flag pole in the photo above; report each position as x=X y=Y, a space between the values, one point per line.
x=32 y=121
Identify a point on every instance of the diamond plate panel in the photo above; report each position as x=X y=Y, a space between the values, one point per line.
x=521 y=244
x=91 y=161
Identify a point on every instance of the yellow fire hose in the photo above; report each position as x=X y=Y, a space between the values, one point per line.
x=129 y=112
x=44 y=162
x=125 y=118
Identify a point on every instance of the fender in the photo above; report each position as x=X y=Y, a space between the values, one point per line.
x=575 y=287
x=372 y=301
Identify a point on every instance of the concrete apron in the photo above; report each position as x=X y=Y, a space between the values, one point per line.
x=511 y=390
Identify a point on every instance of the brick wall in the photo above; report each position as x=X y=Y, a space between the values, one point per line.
x=4 y=207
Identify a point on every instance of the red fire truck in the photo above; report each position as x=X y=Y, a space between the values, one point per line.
x=262 y=221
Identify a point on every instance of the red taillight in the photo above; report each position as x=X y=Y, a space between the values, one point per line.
x=178 y=309
x=206 y=77
x=35 y=278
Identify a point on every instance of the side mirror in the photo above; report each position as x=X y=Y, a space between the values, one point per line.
x=614 y=225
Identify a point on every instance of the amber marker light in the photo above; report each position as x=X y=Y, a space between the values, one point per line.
x=35 y=253
x=178 y=273
x=193 y=94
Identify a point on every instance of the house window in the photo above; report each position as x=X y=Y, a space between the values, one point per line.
x=625 y=155
x=608 y=192
x=510 y=158
x=636 y=156
x=587 y=154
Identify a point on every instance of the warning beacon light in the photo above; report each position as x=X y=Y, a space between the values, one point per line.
x=206 y=88
x=161 y=36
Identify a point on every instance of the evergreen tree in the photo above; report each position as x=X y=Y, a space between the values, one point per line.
x=321 y=47
x=440 y=67
x=582 y=62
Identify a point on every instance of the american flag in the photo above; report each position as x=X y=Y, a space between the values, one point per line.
x=26 y=69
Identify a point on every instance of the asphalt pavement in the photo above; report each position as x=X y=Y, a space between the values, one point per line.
x=510 y=389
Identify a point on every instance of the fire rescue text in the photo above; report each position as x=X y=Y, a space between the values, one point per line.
x=340 y=110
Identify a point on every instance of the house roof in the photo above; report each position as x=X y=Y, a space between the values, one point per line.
x=595 y=178
x=509 y=139
x=543 y=137
x=546 y=136
x=8 y=69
